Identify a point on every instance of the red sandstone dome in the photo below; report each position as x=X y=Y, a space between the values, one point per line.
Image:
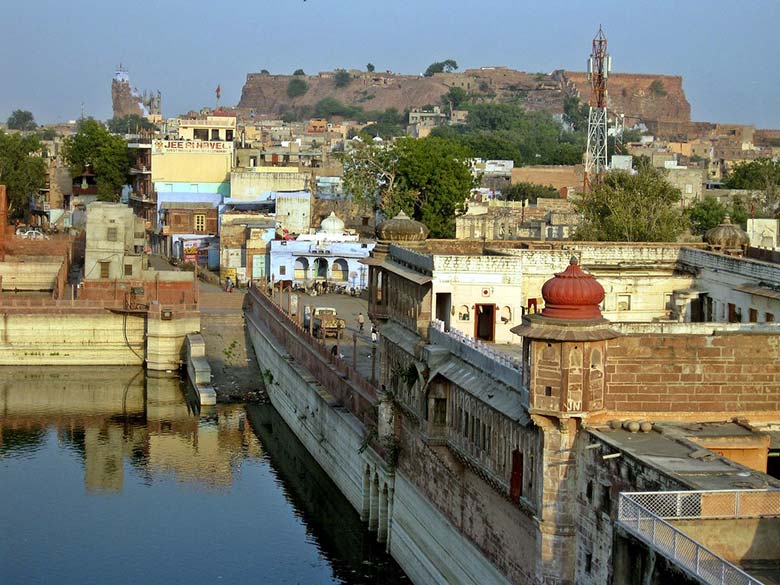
x=572 y=294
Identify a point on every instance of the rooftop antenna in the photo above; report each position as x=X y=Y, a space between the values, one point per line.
x=599 y=66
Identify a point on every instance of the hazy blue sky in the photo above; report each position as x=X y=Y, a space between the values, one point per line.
x=60 y=53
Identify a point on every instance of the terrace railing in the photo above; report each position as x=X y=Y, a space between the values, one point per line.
x=650 y=516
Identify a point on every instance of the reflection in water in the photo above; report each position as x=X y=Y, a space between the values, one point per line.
x=110 y=475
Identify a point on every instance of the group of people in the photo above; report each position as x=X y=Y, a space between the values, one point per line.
x=361 y=325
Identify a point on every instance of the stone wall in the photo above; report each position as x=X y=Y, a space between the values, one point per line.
x=29 y=274
x=632 y=94
x=698 y=374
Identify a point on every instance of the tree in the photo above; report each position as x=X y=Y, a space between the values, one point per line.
x=447 y=65
x=93 y=145
x=454 y=98
x=529 y=192
x=48 y=134
x=265 y=72
x=706 y=214
x=763 y=175
x=430 y=179
x=297 y=87
x=631 y=208
x=342 y=78
x=22 y=170
x=330 y=106
x=21 y=120
x=657 y=88
x=298 y=72
x=130 y=124
x=370 y=68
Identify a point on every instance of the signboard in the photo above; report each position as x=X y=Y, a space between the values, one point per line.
x=191 y=253
x=191 y=147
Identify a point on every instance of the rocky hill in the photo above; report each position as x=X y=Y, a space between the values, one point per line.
x=267 y=94
x=649 y=98
x=639 y=97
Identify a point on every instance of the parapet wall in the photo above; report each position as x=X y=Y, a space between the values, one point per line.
x=726 y=373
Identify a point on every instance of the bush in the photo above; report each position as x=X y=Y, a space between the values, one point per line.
x=342 y=78
x=297 y=87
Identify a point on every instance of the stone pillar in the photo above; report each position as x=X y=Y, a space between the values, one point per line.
x=354 y=351
x=373 y=517
x=389 y=517
x=365 y=513
x=381 y=535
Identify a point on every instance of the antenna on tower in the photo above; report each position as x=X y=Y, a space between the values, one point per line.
x=599 y=66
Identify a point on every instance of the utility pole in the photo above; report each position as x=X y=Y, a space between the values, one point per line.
x=599 y=66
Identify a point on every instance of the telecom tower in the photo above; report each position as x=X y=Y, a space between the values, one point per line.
x=599 y=66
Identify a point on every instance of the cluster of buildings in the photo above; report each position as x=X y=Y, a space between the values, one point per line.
x=569 y=407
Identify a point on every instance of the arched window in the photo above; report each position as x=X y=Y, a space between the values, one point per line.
x=339 y=271
x=301 y=268
x=506 y=315
x=463 y=313
x=321 y=268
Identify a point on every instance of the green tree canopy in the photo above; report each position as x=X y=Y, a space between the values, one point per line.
x=529 y=192
x=631 y=208
x=297 y=87
x=709 y=212
x=763 y=175
x=107 y=153
x=505 y=131
x=342 y=78
x=441 y=66
x=22 y=170
x=21 y=120
x=429 y=178
x=330 y=106
x=130 y=124
x=454 y=98
x=370 y=68
x=298 y=72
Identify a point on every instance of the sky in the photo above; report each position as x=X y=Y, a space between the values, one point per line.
x=58 y=55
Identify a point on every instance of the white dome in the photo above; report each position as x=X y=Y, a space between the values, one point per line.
x=332 y=224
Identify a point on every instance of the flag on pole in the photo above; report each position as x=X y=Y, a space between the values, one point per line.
x=219 y=91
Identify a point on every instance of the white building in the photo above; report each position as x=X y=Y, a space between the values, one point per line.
x=329 y=255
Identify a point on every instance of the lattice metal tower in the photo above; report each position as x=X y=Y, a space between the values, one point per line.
x=599 y=66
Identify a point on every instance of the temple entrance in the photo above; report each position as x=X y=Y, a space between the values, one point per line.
x=485 y=322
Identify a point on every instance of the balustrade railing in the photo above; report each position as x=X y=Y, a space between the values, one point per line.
x=650 y=517
x=348 y=387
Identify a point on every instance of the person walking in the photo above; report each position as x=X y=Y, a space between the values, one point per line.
x=374 y=334
x=361 y=322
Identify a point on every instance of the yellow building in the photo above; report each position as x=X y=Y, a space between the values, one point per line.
x=191 y=161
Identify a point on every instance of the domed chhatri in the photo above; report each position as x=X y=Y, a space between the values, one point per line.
x=401 y=228
x=332 y=224
x=572 y=295
x=727 y=236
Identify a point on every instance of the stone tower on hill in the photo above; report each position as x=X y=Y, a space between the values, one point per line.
x=126 y=100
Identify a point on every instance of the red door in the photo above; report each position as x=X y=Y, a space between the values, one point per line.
x=516 y=480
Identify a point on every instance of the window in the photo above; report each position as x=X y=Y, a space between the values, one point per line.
x=439 y=411
x=104 y=267
x=282 y=270
x=200 y=222
x=753 y=316
x=769 y=317
x=128 y=270
x=668 y=301
x=463 y=313
x=624 y=302
x=111 y=235
x=506 y=315
x=548 y=390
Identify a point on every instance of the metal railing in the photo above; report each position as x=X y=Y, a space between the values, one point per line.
x=649 y=517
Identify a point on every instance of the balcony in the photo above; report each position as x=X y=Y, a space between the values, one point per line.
x=685 y=527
